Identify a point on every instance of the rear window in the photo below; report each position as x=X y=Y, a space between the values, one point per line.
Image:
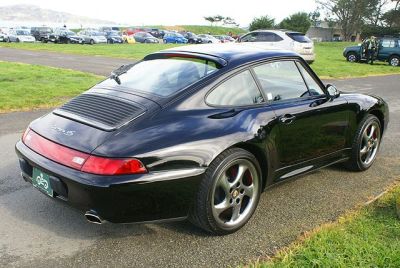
x=163 y=76
x=299 y=37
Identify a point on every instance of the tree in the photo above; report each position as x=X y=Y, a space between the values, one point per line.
x=210 y=19
x=350 y=14
x=315 y=17
x=392 y=18
x=214 y=19
x=376 y=14
x=263 y=22
x=229 y=21
x=299 y=22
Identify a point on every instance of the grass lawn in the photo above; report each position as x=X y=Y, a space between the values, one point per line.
x=128 y=51
x=369 y=237
x=24 y=86
x=330 y=62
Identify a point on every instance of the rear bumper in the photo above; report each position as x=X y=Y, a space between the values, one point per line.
x=308 y=57
x=117 y=199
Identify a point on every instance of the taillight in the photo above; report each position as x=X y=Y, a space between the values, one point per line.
x=57 y=153
x=109 y=166
x=81 y=161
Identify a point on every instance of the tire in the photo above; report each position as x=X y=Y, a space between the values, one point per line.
x=165 y=41
x=223 y=191
x=8 y=40
x=394 y=61
x=91 y=41
x=146 y=41
x=17 y=40
x=365 y=144
x=352 y=57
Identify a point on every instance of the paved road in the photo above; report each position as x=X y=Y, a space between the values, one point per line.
x=91 y=64
x=37 y=231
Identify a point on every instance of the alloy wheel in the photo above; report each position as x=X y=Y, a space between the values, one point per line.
x=235 y=193
x=352 y=58
x=395 y=61
x=370 y=143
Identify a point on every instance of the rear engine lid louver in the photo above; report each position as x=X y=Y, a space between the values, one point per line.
x=99 y=111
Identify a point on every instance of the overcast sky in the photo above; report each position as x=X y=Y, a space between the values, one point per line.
x=173 y=12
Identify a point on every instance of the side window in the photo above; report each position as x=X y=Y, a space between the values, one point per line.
x=281 y=80
x=237 y=91
x=388 y=43
x=313 y=86
x=251 y=37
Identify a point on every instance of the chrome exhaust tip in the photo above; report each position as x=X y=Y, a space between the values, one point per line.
x=92 y=217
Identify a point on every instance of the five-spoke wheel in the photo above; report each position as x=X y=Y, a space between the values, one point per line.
x=229 y=192
x=235 y=193
x=366 y=144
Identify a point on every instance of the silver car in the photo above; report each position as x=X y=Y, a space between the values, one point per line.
x=92 y=37
x=20 y=35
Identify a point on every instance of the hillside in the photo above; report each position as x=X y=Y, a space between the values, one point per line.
x=199 y=29
x=31 y=13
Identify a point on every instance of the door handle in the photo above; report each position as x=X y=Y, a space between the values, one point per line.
x=287 y=118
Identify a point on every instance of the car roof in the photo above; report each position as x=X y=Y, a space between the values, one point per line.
x=233 y=54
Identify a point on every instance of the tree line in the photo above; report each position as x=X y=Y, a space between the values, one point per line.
x=365 y=17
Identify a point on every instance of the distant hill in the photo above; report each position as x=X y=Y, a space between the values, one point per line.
x=201 y=29
x=35 y=14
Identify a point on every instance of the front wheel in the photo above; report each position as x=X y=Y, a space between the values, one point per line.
x=394 y=61
x=229 y=193
x=92 y=42
x=352 y=57
x=366 y=144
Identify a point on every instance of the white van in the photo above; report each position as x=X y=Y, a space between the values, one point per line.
x=287 y=40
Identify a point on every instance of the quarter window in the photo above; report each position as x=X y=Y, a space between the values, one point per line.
x=281 y=81
x=239 y=90
x=313 y=86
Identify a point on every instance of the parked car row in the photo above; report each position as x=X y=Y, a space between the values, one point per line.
x=281 y=39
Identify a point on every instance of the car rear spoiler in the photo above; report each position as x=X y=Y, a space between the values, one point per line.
x=183 y=54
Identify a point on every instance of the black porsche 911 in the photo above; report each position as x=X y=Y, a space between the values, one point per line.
x=197 y=132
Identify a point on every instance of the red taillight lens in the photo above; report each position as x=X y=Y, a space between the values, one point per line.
x=81 y=161
x=54 y=151
x=107 y=166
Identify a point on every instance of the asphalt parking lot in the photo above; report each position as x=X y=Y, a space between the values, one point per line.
x=91 y=64
x=36 y=231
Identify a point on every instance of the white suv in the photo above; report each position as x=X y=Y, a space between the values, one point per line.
x=288 y=40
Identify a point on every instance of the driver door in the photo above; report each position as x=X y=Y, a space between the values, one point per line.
x=311 y=125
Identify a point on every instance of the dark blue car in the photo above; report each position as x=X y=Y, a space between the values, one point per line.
x=174 y=38
x=197 y=132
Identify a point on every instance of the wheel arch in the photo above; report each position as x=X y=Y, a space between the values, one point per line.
x=261 y=157
x=380 y=116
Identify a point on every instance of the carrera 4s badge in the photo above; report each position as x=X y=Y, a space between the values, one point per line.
x=63 y=131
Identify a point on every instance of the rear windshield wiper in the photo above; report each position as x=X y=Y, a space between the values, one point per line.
x=121 y=70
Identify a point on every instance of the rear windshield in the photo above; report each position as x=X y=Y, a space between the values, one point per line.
x=163 y=76
x=299 y=37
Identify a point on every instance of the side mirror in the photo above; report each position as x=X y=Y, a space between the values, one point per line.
x=333 y=92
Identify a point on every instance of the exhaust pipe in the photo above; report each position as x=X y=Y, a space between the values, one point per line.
x=92 y=217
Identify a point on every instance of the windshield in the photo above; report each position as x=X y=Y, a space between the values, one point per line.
x=70 y=33
x=22 y=32
x=163 y=76
x=113 y=34
x=299 y=37
x=96 y=34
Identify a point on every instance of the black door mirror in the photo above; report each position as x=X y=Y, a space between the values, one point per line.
x=333 y=92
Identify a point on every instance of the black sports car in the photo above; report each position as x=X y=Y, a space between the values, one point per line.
x=197 y=132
